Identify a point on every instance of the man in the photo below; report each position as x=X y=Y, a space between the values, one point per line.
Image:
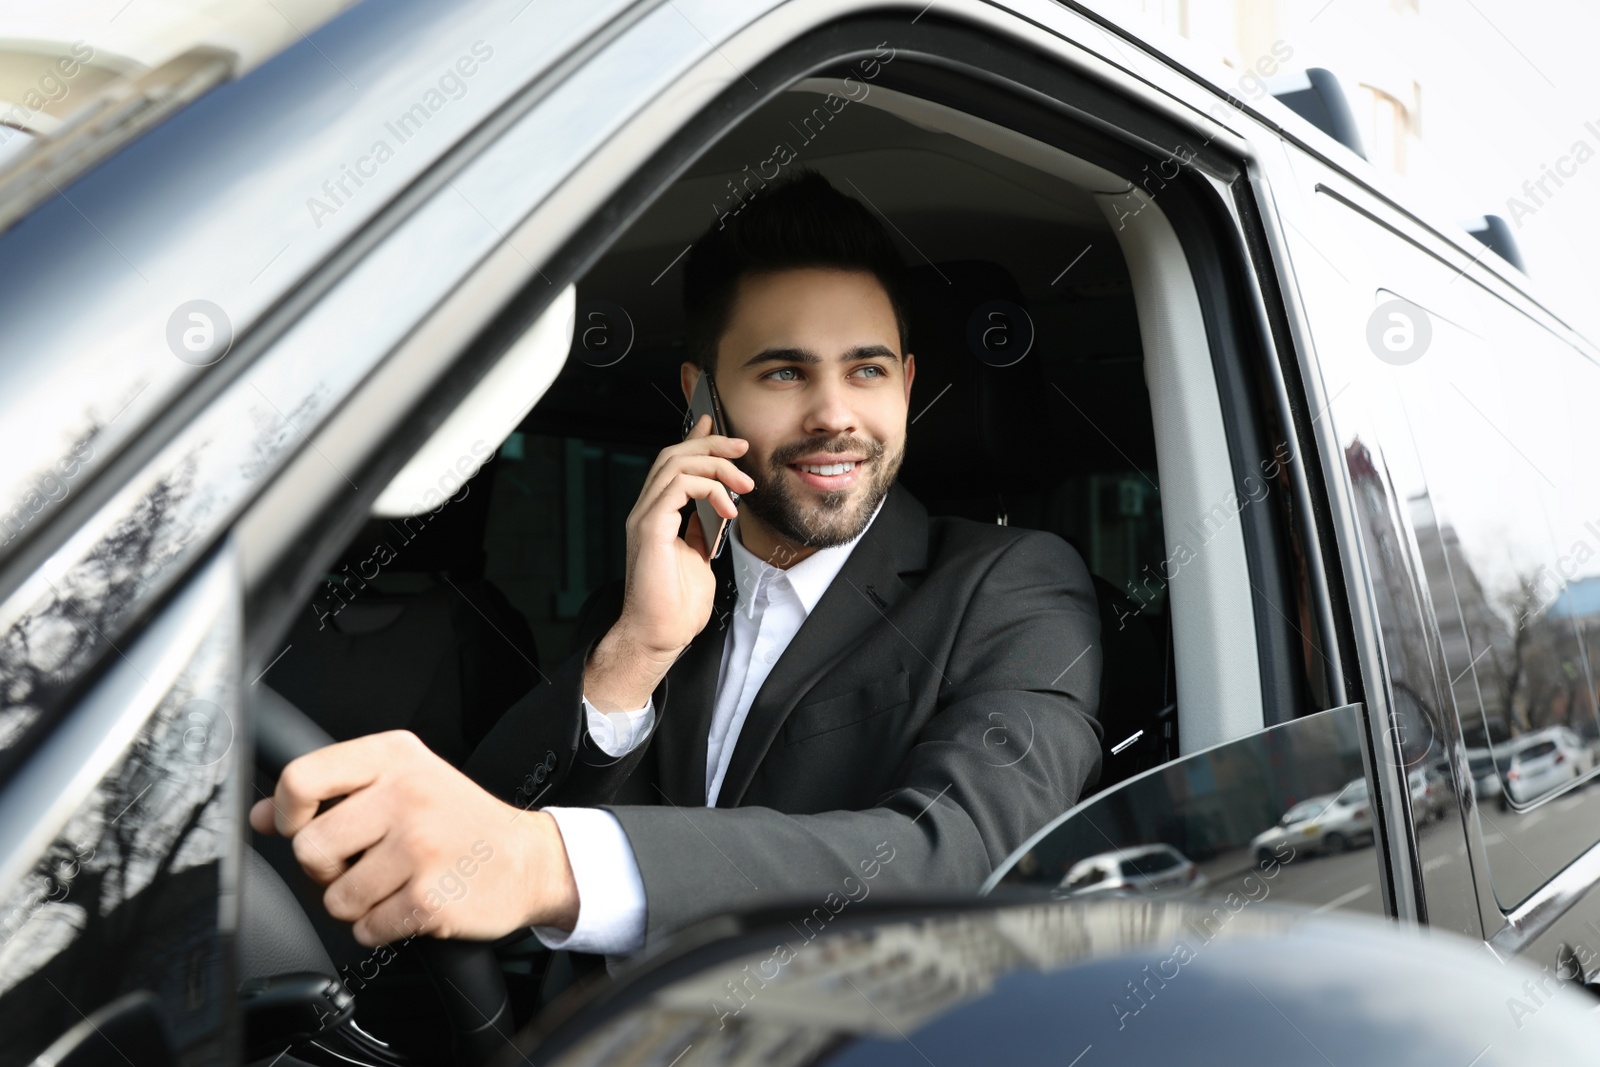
x=851 y=690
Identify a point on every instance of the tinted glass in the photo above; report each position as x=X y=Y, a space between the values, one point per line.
x=135 y=893
x=1490 y=411
x=1223 y=809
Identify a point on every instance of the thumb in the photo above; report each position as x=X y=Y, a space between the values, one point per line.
x=261 y=820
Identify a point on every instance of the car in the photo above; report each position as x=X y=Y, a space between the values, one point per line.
x=1157 y=868
x=1545 y=762
x=333 y=361
x=1333 y=822
x=1129 y=979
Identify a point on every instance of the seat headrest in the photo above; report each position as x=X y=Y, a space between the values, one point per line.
x=979 y=428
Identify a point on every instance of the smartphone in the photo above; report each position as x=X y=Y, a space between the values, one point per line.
x=705 y=401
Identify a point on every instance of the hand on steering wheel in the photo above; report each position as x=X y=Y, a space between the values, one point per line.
x=466 y=973
x=437 y=854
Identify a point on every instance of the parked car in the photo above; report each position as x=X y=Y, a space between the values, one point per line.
x=330 y=370
x=1545 y=762
x=1334 y=822
x=1134 y=871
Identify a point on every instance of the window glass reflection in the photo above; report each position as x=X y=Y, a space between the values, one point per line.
x=1285 y=813
x=1501 y=531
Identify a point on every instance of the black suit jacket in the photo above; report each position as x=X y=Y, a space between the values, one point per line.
x=940 y=698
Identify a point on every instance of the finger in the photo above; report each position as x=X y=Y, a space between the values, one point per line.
x=381 y=871
x=334 y=771
x=400 y=916
x=700 y=429
x=696 y=538
x=324 y=845
x=700 y=441
x=262 y=819
x=662 y=518
x=723 y=470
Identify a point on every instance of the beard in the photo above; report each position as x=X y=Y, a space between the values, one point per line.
x=832 y=517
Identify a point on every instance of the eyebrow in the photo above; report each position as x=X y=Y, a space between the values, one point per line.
x=805 y=355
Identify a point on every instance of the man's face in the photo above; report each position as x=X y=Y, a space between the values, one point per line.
x=808 y=371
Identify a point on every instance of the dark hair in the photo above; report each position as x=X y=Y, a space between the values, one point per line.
x=801 y=221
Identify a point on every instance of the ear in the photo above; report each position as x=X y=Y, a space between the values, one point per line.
x=688 y=378
x=911 y=372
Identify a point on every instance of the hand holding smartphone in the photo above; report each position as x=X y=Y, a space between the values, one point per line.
x=670 y=591
x=706 y=402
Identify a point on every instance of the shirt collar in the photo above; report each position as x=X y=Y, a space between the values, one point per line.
x=809 y=578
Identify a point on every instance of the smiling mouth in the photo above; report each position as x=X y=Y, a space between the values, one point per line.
x=829 y=476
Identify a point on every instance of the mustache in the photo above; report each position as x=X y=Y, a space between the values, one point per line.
x=786 y=454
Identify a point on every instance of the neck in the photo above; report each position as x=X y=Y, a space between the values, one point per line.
x=767 y=544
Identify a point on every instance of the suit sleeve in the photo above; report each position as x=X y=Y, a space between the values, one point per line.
x=542 y=751
x=1013 y=742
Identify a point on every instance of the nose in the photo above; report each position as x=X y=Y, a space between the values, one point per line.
x=830 y=413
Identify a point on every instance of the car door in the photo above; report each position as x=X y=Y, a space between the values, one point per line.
x=122 y=649
x=1459 y=405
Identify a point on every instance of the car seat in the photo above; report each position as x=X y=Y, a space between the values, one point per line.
x=408 y=633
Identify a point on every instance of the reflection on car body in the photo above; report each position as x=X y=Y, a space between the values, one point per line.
x=1546 y=761
x=1142 y=869
x=1330 y=823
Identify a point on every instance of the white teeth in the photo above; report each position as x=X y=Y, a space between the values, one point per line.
x=827 y=468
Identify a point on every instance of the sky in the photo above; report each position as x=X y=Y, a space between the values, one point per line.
x=1509 y=88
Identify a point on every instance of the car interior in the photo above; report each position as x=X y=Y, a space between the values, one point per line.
x=451 y=625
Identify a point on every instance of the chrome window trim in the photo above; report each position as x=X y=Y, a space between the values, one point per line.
x=1528 y=921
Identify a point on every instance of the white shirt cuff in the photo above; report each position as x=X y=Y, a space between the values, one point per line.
x=619 y=732
x=611 y=904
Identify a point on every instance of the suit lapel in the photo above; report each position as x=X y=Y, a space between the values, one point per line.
x=863 y=591
x=681 y=735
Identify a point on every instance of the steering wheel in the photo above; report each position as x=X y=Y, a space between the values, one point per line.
x=466 y=974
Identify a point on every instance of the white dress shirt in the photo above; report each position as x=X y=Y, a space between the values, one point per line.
x=770 y=606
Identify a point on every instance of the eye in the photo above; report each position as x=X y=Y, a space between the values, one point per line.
x=879 y=372
x=784 y=370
